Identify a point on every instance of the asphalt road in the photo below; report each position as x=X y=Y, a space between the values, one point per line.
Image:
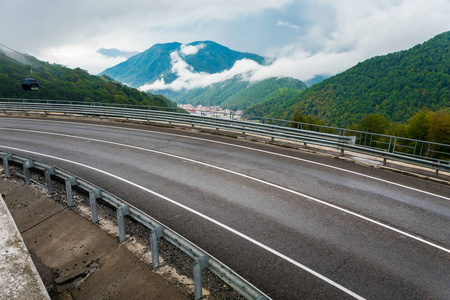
x=295 y=224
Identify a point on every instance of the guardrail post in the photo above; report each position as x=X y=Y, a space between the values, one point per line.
x=199 y=264
x=48 y=179
x=395 y=142
x=93 y=195
x=69 y=182
x=389 y=146
x=6 y=158
x=155 y=234
x=122 y=211
x=26 y=170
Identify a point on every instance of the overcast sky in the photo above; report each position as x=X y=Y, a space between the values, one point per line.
x=307 y=37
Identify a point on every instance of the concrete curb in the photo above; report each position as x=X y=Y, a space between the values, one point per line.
x=19 y=278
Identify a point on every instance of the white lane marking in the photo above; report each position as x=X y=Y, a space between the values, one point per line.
x=355 y=214
x=261 y=151
x=226 y=227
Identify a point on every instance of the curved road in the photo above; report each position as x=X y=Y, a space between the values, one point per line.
x=296 y=225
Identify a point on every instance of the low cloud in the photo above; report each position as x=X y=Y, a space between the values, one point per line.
x=188 y=78
x=294 y=63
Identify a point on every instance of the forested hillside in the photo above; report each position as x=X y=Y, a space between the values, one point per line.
x=60 y=83
x=395 y=86
x=279 y=100
x=239 y=94
x=261 y=91
x=214 y=94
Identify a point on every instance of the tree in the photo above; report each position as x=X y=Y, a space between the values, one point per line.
x=418 y=125
x=439 y=127
x=299 y=117
x=374 y=123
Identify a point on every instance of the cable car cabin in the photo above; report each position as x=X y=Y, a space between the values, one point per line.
x=30 y=84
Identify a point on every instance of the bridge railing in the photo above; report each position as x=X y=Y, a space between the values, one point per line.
x=157 y=230
x=426 y=154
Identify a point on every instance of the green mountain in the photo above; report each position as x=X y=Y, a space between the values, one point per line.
x=204 y=57
x=395 y=86
x=156 y=62
x=238 y=94
x=60 y=83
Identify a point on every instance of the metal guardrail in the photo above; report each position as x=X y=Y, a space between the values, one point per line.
x=157 y=230
x=383 y=142
x=339 y=141
x=271 y=131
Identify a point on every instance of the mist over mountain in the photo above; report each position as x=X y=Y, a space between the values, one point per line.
x=175 y=66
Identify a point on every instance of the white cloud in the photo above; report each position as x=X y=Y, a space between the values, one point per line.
x=289 y=25
x=328 y=36
x=190 y=49
x=362 y=29
x=49 y=26
x=71 y=55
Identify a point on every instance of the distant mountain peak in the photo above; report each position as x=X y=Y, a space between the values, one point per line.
x=172 y=65
x=113 y=52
